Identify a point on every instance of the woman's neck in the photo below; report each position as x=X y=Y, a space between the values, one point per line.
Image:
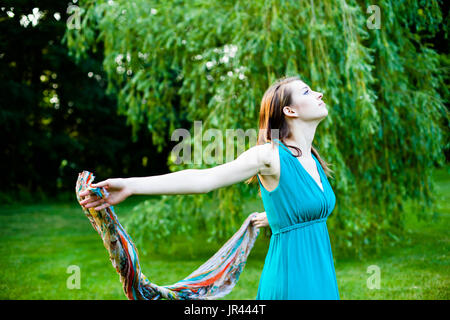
x=302 y=136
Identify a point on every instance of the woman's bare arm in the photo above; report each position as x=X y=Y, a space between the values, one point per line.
x=258 y=159
x=192 y=181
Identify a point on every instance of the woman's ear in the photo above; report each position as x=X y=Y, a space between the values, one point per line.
x=289 y=111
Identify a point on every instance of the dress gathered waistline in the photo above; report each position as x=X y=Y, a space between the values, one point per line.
x=298 y=225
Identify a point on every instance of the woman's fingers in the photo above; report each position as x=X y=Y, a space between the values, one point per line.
x=94 y=185
x=84 y=193
x=100 y=184
x=103 y=206
x=84 y=201
x=94 y=203
x=256 y=220
x=89 y=199
x=260 y=219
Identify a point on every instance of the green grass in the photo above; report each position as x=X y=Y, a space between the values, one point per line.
x=39 y=242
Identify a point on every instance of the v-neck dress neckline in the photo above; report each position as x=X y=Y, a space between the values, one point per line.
x=307 y=173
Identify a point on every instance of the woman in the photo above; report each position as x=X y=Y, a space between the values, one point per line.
x=296 y=193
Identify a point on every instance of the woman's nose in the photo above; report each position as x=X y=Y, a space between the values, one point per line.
x=319 y=95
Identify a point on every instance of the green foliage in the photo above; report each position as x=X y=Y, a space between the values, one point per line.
x=166 y=63
x=53 y=112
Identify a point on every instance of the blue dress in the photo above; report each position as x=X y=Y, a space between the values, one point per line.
x=299 y=264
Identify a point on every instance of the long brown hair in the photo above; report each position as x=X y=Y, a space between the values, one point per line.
x=271 y=118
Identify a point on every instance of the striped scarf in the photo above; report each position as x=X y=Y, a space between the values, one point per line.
x=214 y=279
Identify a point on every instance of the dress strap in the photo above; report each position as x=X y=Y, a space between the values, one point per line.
x=284 y=146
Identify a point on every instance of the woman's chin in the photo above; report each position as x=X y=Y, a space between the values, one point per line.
x=323 y=115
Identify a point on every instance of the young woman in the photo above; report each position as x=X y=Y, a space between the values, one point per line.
x=295 y=190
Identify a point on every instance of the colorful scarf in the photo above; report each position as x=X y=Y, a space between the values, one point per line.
x=214 y=279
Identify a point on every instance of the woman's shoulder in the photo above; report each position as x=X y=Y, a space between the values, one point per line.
x=270 y=157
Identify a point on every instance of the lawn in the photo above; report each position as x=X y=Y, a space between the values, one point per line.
x=40 y=241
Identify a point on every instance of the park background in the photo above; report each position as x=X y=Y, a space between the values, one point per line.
x=101 y=85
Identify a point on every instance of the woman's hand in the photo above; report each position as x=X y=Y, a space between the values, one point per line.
x=260 y=220
x=118 y=191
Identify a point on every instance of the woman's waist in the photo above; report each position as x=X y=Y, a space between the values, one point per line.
x=277 y=231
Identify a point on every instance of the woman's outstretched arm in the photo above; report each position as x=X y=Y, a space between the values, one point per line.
x=257 y=159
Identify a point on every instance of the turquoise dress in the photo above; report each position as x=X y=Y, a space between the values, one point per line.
x=299 y=264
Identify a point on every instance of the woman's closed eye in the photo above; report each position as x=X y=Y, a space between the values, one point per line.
x=306 y=92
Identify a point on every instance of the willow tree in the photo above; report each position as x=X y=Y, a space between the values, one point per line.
x=173 y=61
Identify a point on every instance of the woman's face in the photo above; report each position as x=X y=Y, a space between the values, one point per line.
x=306 y=103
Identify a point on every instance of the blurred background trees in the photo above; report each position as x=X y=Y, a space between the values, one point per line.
x=55 y=115
x=106 y=96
